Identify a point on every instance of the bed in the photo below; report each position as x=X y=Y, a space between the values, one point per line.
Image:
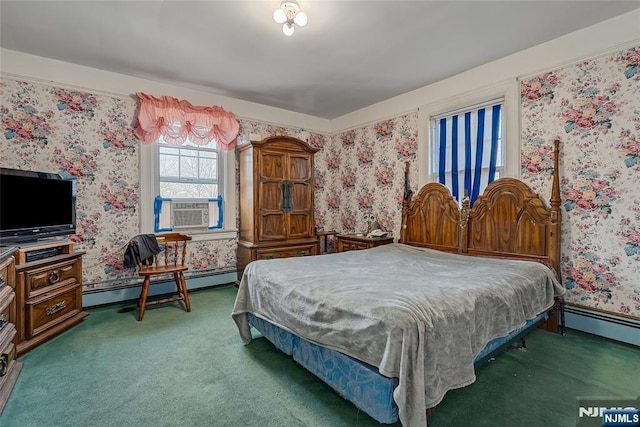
x=393 y=328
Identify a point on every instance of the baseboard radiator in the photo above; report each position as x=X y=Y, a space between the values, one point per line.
x=604 y=324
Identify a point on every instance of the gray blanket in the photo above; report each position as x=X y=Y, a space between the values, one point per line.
x=417 y=314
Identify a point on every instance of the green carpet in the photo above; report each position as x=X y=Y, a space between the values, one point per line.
x=176 y=368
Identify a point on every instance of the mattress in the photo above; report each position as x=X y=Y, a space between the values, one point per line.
x=356 y=381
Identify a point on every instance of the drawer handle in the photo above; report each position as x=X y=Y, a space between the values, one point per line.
x=3 y=321
x=56 y=308
x=4 y=364
x=303 y=253
x=2 y=281
x=353 y=246
x=54 y=277
x=270 y=257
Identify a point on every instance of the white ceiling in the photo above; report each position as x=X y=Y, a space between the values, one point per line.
x=350 y=55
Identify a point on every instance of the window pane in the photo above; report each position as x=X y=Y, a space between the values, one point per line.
x=188 y=167
x=208 y=154
x=164 y=149
x=208 y=168
x=188 y=190
x=192 y=153
x=169 y=166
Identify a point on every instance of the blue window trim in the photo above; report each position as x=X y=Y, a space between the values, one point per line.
x=217 y=200
x=157 y=210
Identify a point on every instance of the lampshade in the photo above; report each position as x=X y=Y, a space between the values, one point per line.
x=288 y=29
x=301 y=19
x=279 y=16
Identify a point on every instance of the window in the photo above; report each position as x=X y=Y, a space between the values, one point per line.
x=467 y=148
x=188 y=182
x=508 y=151
x=189 y=171
x=188 y=187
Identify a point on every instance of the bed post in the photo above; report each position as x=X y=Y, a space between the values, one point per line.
x=553 y=248
x=406 y=201
x=553 y=245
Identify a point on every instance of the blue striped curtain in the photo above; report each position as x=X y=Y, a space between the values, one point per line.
x=468 y=149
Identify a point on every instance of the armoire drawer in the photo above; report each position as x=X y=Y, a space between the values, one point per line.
x=48 y=310
x=44 y=279
x=286 y=252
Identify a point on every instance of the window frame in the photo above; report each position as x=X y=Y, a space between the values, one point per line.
x=508 y=91
x=218 y=180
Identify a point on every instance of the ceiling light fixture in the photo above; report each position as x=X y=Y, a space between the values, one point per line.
x=289 y=14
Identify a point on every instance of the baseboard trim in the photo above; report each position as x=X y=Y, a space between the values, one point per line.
x=109 y=296
x=602 y=324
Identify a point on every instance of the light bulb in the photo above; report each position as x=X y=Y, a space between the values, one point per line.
x=279 y=16
x=288 y=29
x=301 y=19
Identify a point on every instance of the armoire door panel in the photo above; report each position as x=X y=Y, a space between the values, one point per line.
x=270 y=195
x=299 y=167
x=301 y=196
x=273 y=165
x=273 y=226
x=300 y=225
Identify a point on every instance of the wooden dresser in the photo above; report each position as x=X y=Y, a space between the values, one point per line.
x=9 y=366
x=353 y=242
x=48 y=291
x=276 y=200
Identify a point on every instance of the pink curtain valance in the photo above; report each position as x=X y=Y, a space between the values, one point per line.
x=176 y=120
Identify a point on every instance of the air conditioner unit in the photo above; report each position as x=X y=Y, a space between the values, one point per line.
x=189 y=215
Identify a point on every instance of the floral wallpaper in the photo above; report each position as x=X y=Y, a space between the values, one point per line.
x=593 y=107
x=363 y=172
x=90 y=137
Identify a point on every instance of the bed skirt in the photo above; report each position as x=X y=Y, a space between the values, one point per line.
x=356 y=381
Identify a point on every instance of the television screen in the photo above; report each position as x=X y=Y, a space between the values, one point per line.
x=35 y=205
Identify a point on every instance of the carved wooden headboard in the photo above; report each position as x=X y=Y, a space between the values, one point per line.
x=507 y=220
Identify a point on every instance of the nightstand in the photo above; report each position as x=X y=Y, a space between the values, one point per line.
x=353 y=242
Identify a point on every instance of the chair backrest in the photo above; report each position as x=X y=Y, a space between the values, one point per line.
x=174 y=246
x=171 y=249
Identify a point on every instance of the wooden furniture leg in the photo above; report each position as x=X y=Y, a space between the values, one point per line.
x=142 y=302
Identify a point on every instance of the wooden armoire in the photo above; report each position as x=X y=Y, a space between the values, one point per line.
x=276 y=200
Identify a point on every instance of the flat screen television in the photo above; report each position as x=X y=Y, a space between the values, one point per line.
x=35 y=206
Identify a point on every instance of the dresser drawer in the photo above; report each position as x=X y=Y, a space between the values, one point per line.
x=287 y=252
x=7 y=272
x=354 y=242
x=48 y=310
x=351 y=245
x=7 y=310
x=44 y=279
x=7 y=350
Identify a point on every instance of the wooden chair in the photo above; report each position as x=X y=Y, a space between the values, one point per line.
x=172 y=262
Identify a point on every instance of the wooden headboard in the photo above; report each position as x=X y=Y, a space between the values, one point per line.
x=507 y=220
